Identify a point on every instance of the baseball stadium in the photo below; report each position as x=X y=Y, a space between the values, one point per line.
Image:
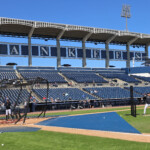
x=67 y=106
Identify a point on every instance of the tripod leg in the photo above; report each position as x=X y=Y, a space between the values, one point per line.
x=19 y=119
x=6 y=117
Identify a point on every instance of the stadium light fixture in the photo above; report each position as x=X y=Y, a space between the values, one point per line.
x=126 y=14
x=66 y=65
x=111 y=66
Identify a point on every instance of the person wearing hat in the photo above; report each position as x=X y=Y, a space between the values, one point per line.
x=147 y=102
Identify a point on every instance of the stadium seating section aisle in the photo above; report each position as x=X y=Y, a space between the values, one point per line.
x=111 y=92
x=64 y=94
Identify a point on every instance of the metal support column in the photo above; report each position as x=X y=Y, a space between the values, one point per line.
x=58 y=48
x=58 y=54
x=29 y=52
x=107 y=50
x=84 y=48
x=128 y=51
x=128 y=56
x=107 y=55
x=29 y=47
x=146 y=50
x=146 y=53
x=84 y=54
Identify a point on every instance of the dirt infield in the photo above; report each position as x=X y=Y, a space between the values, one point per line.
x=114 y=135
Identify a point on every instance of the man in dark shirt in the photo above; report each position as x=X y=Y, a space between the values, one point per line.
x=8 y=109
x=147 y=102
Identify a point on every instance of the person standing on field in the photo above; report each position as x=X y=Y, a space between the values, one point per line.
x=147 y=102
x=8 y=109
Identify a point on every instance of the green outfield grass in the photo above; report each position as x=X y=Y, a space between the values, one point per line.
x=53 y=113
x=141 y=123
x=44 y=140
x=82 y=111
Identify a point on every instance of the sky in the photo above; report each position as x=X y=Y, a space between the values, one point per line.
x=92 y=13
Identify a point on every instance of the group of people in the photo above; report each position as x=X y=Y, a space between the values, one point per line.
x=8 y=105
x=11 y=109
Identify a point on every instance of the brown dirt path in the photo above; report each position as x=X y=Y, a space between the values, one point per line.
x=106 y=134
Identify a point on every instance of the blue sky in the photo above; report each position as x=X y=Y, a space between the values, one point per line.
x=93 y=13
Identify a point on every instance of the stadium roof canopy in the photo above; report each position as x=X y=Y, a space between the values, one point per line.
x=45 y=30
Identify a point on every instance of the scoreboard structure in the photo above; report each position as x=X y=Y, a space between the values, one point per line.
x=54 y=31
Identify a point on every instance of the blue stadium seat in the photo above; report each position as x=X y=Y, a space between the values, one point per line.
x=7 y=74
x=64 y=94
x=13 y=95
x=147 y=79
x=121 y=76
x=51 y=76
x=141 y=90
x=139 y=70
x=111 y=92
x=84 y=76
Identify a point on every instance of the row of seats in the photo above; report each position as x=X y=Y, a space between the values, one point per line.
x=111 y=92
x=73 y=68
x=52 y=77
x=13 y=95
x=81 y=77
x=34 y=68
x=63 y=94
x=141 y=90
x=8 y=75
x=139 y=70
x=147 y=79
x=120 y=76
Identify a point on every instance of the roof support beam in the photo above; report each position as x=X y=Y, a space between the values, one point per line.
x=107 y=50
x=58 y=48
x=29 y=47
x=146 y=53
x=84 y=48
x=128 y=51
x=146 y=49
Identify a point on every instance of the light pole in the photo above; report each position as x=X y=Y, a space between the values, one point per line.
x=126 y=14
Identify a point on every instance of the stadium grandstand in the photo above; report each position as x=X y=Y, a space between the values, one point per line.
x=77 y=86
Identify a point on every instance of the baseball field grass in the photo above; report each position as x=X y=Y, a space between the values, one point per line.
x=84 y=111
x=46 y=140
x=140 y=122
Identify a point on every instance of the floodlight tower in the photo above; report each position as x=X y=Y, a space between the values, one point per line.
x=126 y=13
